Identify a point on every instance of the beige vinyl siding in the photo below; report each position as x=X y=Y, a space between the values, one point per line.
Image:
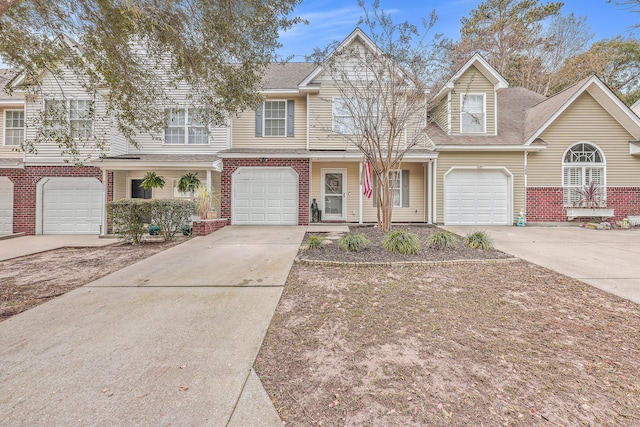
x=414 y=213
x=65 y=87
x=513 y=162
x=120 y=185
x=244 y=128
x=441 y=114
x=584 y=121
x=321 y=136
x=473 y=82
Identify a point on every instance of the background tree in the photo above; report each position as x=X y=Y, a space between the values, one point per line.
x=383 y=92
x=137 y=51
x=616 y=61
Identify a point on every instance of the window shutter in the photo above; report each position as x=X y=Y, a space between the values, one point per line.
x=259 y=119
x=405 y=188
x=290 y=109
x=374 y=180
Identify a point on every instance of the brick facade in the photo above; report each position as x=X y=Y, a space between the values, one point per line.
x=205 y=227
x=301 y=166
x=545 y=204
x=24 y=189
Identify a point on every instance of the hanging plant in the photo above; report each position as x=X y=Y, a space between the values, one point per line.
x=189 y=183
x=152 y=180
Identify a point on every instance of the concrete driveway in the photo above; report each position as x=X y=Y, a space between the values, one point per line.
x=167 y=341
x=606 y=259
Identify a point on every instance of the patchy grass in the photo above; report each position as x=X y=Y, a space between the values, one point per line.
x=484 y=344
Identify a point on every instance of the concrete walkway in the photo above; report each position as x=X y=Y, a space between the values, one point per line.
x=170 y=340
x=27 y=245
x=606 y=259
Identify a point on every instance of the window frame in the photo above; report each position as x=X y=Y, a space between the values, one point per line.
x=334 y=125
x=569 y=191
x=65 y=120
x=284 y=119
x=396 y=203
x=186 y=127
x=5 y=127
x=463 y=112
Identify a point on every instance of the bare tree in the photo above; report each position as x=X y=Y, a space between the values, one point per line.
x=383 y=86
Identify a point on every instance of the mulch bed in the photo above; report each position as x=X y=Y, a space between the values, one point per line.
x=376 y=253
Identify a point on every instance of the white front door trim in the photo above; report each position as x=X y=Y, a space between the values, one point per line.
x=323 y=173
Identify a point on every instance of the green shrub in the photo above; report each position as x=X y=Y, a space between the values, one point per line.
x=353 y=242
x=478 y=240
x=315 y=242
x=128 y=218
x=170 y=215
x=442 y=240
x=401 y=241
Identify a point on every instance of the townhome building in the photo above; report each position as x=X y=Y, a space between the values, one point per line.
x=490 y=154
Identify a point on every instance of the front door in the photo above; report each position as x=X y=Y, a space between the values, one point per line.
x=333 y=194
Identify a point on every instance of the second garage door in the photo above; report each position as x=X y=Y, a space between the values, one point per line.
x=6 y=205
x=72 y=206
x=476 y=197
x=265 y=196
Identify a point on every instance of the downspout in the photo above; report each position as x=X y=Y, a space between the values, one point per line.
x=435 y=191
x=360 y=194
x=428 y=179
x=307 y=121
x=526 y=158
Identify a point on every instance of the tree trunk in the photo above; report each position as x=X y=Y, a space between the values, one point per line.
x=385 y=205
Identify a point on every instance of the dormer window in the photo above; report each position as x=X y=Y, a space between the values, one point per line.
x=472 y=113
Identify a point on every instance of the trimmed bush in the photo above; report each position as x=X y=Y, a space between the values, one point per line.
x=314 y=242
x=128 y=217
x=170 y=215
x=478 y=240
x=401 y=241
x=442 y=240
x=353 y=242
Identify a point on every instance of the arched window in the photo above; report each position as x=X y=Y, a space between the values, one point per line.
x=583 y=163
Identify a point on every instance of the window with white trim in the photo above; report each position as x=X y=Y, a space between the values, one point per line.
x=13 y=127
x=583 y=163
x=472 y=113
x=343 y=121
x=75 y=116
x=275 y=118
x=395 y=187
x=186 y=126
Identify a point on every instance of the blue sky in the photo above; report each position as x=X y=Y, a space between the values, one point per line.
x=331 y=20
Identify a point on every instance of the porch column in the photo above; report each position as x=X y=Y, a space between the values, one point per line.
x=360 y=194
x=208 y=183
x=435 y=191
x=429 y=178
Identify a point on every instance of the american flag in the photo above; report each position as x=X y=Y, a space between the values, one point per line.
x=367 y=185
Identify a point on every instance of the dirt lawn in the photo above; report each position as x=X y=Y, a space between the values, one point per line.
x=494 y=344
x=28 y=281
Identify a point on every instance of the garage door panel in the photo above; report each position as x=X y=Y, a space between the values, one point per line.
x=72 y=206
x=265 y=195
x=474 y=197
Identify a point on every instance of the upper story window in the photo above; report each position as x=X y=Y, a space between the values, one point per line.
x=75 y=115
x=274 y=117
x=185 y=126
x=583 y=163
x=472 y=113
x=343 y=120
x=13 y=127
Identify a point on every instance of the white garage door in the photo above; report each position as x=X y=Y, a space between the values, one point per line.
x=6 y=205
x=72 y=206
x=266 y=195
x=476 y=197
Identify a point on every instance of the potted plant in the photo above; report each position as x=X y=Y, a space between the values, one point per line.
x=204 y=204
x=189 y=183
x=590 y=204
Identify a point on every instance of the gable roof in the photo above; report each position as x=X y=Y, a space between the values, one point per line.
x=357 y=33
x=483 y=66
x=539 y=117
x=512 y=103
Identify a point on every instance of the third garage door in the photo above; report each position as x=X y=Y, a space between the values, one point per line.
x=476 y=197
x=265 y=196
